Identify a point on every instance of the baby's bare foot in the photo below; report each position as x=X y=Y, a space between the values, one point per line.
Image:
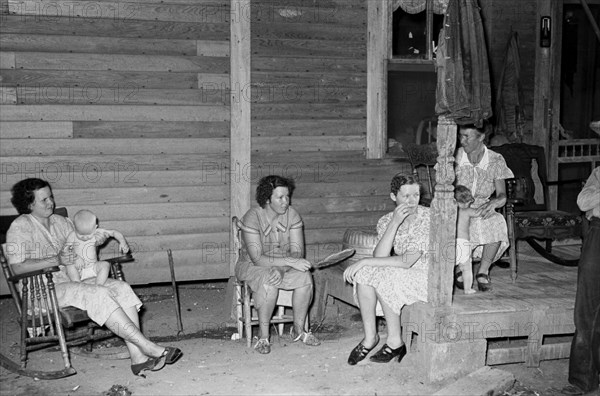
x=469 y=291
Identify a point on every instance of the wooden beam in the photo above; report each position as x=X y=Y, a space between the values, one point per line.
x=443 y=219
x=241 y=131
x=377 y=53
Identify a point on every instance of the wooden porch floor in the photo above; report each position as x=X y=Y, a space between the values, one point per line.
x=526 y=321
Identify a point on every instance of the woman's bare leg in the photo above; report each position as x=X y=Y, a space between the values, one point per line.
x=367 y=299
x=140 y=348
x=487 y=257
x=392 y=321
x=265 y=312
x=301 y=299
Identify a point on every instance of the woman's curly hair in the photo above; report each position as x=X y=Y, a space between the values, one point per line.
x=400 y=179
x=268 y=184
x=23 y=193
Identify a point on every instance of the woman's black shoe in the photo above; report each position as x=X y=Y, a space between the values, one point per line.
x=385 y=354
x=152 y=364
x=360 y=352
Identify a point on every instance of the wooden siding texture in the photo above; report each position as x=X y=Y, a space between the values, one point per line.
x=309 y=74
x=124 y=108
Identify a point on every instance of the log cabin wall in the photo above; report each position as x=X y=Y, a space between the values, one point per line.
x=124 y=108
x=309 y=77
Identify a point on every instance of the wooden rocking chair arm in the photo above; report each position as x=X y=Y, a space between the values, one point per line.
x=28 y=274
x=121 y=259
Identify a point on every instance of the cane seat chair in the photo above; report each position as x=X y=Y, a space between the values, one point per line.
x=43 y=323
x=528 y=219
x=247 y=316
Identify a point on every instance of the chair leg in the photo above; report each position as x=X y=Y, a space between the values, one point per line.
x=280 y=314
x=239 y=306
x=247 y=315
x=512 y=249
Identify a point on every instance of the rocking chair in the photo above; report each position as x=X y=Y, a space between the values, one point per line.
x=43 y=323
x=527 y=219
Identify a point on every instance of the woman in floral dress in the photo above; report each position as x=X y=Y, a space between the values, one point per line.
x=386 y=282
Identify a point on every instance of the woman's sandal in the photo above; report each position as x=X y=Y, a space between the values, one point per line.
x=306 y=338
x=152 y=364
x=483 y=286
x=171 y=355
x=360 y=352
x=263 y=346
x=385 y=354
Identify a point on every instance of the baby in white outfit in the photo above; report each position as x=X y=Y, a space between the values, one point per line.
x=83 y=243
x=464 y=199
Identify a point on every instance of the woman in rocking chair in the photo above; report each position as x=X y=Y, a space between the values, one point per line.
x=36 y=239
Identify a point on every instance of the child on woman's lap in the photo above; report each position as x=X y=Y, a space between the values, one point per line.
x=464 y=199
x=83 y=242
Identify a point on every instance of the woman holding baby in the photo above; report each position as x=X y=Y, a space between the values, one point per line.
x=36 y=239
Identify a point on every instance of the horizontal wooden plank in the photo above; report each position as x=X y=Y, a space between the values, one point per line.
x=7 y=60
x=116 y=62
x=310 y=80
x=109 y=45
x=313 y=221
x=299 y=93
x=273 y=12
x=121 y=85
x=51 y=147
x=81 y=27
x=212 y=48
x=35 y=130
x=378 y=204
x=137 y=129
x=308 y=127
x=123 y=11
x=121 y=92
x=306 y=48
x=141 y=195
x=151 y=243
x=167 y=226
x=151 y=211
x=94 y=167
x=267 y=111
x=8 y=95
x=316 y=31
x=113 y=113
x=301 y=143
x=120 y=176
x=308 y=65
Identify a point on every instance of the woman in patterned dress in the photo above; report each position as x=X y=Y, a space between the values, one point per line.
x=387 y=282
x=483 y=171
x=37 y=239
x=272 y=258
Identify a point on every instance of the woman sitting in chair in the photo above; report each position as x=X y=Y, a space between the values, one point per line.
x=272 y=258
x=387 y=282
x=483 y=171
x=36 y=239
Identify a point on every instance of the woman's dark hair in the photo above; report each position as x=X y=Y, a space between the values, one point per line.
x=23 y=193
x=400 y=179
x=267 y=184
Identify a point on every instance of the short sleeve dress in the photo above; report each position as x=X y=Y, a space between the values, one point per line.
x=275 y=241
x=480 y=179
x=27 y=238
x=401 y=286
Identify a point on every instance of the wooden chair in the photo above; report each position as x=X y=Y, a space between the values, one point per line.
x=42 y=322
x=527 y=219
x=423 y=155
x=245 y=311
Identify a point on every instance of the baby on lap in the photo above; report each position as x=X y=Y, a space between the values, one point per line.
x=83 y=243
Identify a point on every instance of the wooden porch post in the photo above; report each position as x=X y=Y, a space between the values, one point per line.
x=442 y=237
x=378 y=21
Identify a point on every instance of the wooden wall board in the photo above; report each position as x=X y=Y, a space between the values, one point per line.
x=120 y=86
x=52 y=147
x=264 y=128
x=114 y=113
x=82 y=27
x=212 y=48
x=127 y=92
x=137 y=129
x=123 y=11
x=127 y=166
x=270 y=92
x=8 y=95
x=168 y=226
x=324 y=31
x=115 y=62
x=140 y=195
x=300 y=143
x=7 y=60
x=154 y=211
x=272 y=13
x=36 y=130
x=96 y=45
x=310 y=80
x=310 y=110
x=306 y=48
x=343 y=204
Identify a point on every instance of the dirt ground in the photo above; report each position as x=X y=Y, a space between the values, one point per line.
x=214 y=364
